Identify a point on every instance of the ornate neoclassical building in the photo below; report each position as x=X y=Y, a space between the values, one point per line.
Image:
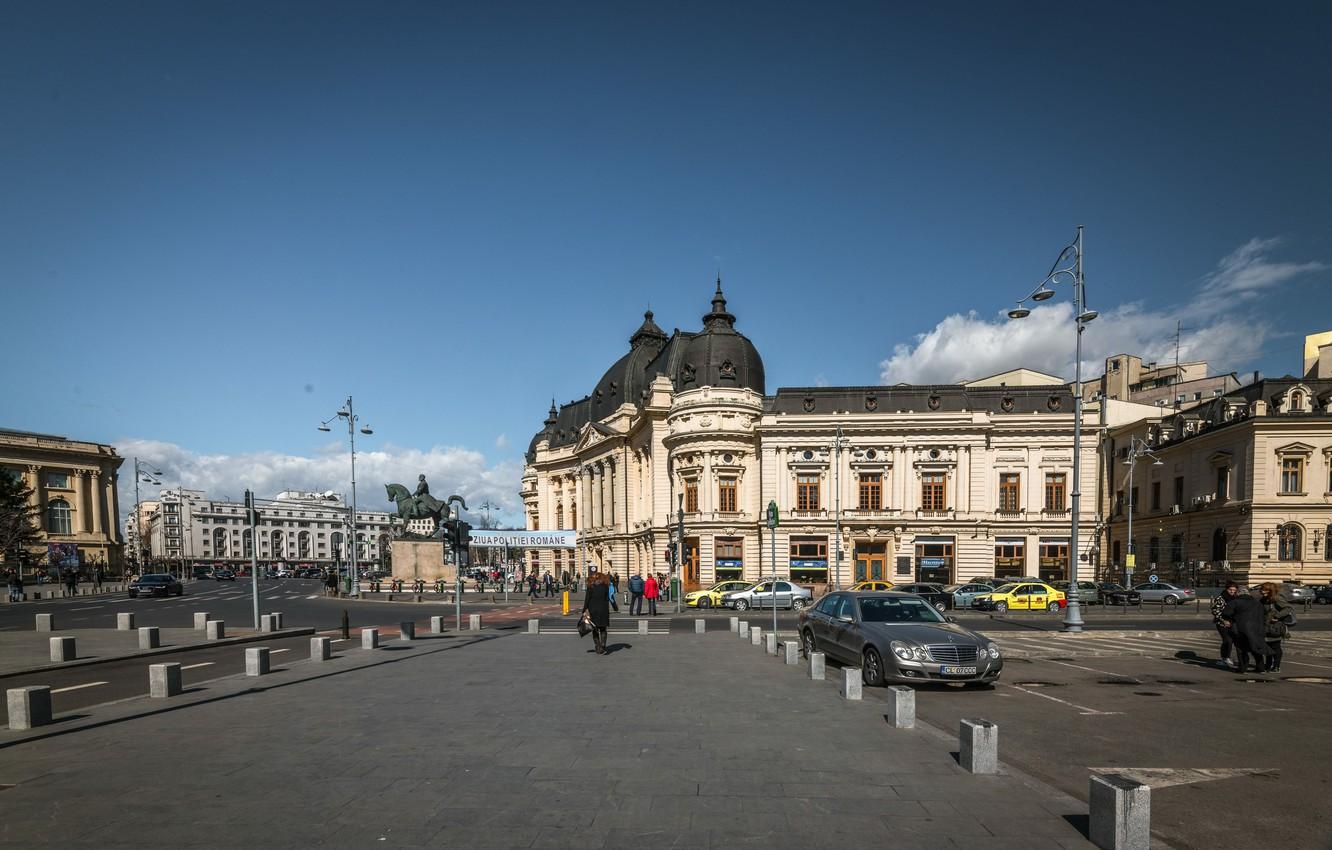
x=936 y=483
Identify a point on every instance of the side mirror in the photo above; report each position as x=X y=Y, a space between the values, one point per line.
x=845 y=618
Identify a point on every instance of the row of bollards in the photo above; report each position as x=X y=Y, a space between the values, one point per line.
x=61 y=593
x=215 y=629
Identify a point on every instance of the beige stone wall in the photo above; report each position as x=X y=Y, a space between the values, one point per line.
x=421 y=559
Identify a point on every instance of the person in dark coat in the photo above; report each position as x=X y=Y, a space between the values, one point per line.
x=1277 y=616
x=596 y=605
x=1223 y=630
x=1245 y=617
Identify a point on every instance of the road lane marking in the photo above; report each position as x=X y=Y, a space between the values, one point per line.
x=276 y=651
x=1091 y=669
x=200 y=664
x=76 y=687
x=1082 y=709
x=89 y=608
x=1164 y=777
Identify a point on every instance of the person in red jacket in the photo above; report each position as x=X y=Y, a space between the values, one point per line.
x=650 y=593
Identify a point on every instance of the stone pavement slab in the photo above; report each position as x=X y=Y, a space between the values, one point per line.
x=697 y=742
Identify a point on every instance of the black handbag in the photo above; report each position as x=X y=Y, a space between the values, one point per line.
x=584 y=625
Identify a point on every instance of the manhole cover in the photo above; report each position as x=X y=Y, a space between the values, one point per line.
x=1310 y=680
x=1037 y=684
x=1146 y=693
x=1118 y=682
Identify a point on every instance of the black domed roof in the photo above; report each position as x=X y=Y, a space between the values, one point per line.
x=720 y=356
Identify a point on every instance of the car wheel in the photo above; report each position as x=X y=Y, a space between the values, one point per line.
x=871 y=670
x=741 y=605
x=798 y=604
x=807 y=643
x=704 y=602
x=1053 y=607
x=1172 y=600
x=1001 y=607
x=941 y=606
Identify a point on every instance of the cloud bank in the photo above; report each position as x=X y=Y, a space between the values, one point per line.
x=1218 y=329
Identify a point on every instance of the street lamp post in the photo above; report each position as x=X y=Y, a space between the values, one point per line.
x=149 y=477
x=348 y=412
x=1060 y=272
x=837 y=507
x=680 y=555
x=1137 y=449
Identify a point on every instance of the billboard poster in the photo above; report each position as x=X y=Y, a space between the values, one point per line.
x=518 y=539
x=62 y=555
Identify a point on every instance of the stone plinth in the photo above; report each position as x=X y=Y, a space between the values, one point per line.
x=424 y=560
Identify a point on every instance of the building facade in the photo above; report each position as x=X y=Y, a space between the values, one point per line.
x=295 y=528
x=73 y=486
x=931 y=483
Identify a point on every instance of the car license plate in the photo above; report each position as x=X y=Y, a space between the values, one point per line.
x=958 y=671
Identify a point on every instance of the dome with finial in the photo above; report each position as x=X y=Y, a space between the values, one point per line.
x=720 y=356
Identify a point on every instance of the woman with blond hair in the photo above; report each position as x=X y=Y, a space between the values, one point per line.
x=1277 y=619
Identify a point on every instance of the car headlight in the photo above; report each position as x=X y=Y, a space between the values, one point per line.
x=992 y=650
x=908 y=652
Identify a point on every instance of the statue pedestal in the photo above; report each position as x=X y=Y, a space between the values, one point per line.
x=422 y=559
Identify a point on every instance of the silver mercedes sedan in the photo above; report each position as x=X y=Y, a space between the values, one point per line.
x=898 y=638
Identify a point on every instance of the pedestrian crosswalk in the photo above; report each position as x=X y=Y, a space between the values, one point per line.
x=1158 y=644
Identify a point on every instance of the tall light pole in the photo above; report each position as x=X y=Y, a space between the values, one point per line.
x=348 y=412
x=148 y=477
x=1137 y=449
x=837 y=507
x=1061 y=273
x=680 y=555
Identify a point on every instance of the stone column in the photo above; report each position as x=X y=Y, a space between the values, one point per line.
x=95 y=498
x=35 y=485
x=85 y=503
x=596 y=495
x=610 y=487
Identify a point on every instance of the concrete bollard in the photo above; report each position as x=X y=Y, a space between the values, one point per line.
x=901 y=707
x=851 y=683
x=818 y=663
x=642 y=627
x=321 y=648
x=791 y=652
x=756 y=636
x=1121 y=813
x=200 y=620
x=150 y=637
x=534 y=627
x=62 y=649
x=474 y=622
x=437 y=625
x=277 y=620
x=978 y=746
x=164 y=680
x=29 y=706
x=256 y=661
x=735 y=624
x=771 y=638
x=216 y=629
x=45 y=622
x=369 y=638
x=743 y=630
x=700 y=626
x=407 y=630
x=125 y=621
x=267 y=623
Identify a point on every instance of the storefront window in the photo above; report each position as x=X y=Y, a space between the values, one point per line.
x=1054 y=560
x=934 y=559
x=730 y=555
x=809 y=560
x=1010 y=558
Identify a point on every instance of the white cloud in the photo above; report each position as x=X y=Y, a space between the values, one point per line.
x=449 y=470
x=502 y=441
x=961 y=347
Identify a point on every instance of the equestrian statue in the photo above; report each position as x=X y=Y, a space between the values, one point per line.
x=421 y=505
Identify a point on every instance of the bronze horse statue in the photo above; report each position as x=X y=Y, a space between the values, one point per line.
x=421 y=507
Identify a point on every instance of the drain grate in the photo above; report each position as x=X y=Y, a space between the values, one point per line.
x=1118 y=682
x=1147 y=693
x=1310 y=680
x=1174 y=682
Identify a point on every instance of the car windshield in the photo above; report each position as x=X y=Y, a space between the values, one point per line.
x=1005 y=588
x=895 y=609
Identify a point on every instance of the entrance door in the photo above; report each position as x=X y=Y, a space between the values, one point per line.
x=690 y=566
x=871 y=561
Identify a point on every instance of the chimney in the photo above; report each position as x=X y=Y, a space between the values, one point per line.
x=1256 y=375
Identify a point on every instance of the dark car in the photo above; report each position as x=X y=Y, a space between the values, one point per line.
x=897 y=637
x=1322 y=594
x=224 y=575
x=931 y=593
x=1088 y=592
x=1110 y=593
x=156 y=584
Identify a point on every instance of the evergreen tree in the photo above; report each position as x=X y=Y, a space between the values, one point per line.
x=18 y=517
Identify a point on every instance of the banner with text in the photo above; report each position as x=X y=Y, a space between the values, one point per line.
x=524 y=539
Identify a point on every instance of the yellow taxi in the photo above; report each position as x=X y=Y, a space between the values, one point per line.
x=1021 y=596
x=711 y=598
x=875 y=585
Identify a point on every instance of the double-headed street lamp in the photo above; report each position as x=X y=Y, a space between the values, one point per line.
x=147 y=474
x=1137 y=449
x=349 y=413
x=1067 y=268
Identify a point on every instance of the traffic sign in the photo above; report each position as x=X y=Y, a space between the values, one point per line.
x=1130 y=560
x=772 y=514
x=1152 y=578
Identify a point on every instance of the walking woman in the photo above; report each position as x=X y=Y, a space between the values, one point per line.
x=596 y=607
x=1277 y=618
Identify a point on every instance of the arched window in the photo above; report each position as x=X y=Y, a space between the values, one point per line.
x=1219 y=545
x=58 y=519
x=220 y=543
x=1290 y=542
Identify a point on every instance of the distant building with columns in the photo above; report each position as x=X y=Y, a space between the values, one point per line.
x=73 y=486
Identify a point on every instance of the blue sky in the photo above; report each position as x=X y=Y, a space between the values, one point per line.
x=217 y=220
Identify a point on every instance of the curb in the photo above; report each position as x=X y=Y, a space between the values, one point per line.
x=165 y=650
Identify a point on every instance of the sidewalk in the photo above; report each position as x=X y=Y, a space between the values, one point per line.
x=523 y=742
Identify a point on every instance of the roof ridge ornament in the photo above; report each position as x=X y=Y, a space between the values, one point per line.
x=718 y=316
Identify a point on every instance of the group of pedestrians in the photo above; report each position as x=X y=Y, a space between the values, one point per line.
x=640 y=590
x=1253 y=628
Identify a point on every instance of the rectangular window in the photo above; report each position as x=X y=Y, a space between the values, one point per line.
x=1010 y=558
x=1054 y=560
x=807 y=492
x=1222 y=483
x=691 y=496
x=1292 y=475
x=1179 y=489
x=871 y=491
x=1010 y=485
x=58 y=480
x=933 y=495
x=730 y=548
x=1134 y=501
x=1156 y=495
x=809 y=549
x=726 y=495
x=1055 y=487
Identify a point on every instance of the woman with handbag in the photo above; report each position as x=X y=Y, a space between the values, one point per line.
x=596 y=609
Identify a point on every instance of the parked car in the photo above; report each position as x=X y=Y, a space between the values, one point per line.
x=963 y=594
x=1022 y=596
x=156 y=584
x=899 y=638
x=1292 y=592
x=712 y=597
x=931 y=593
x=761 y=596
x=1322 y=593
x=201 y=571
x=1164 y=591
x=872 y=585
x=1088 y=592
x=1117 y=594
x=224 y=575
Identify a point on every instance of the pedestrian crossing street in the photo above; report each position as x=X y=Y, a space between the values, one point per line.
x=1161 y=644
